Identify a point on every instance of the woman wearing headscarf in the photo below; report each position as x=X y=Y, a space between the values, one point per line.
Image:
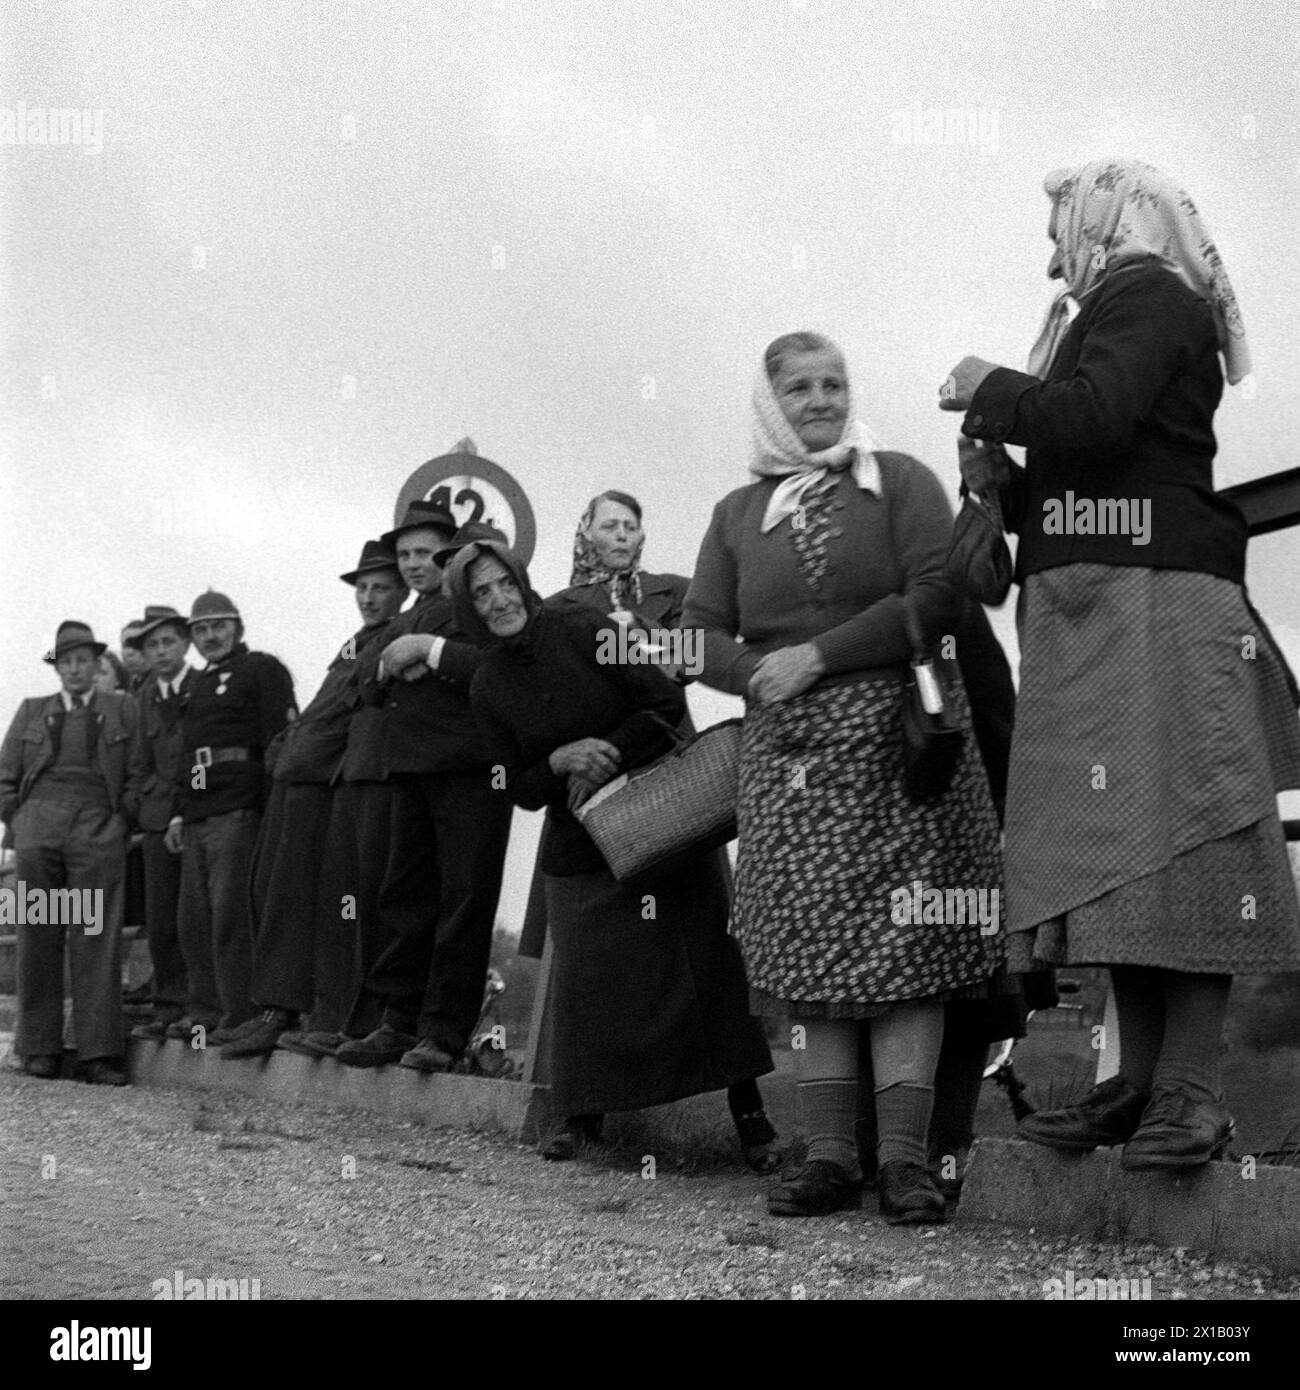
x=607 y=580
x=802 y=589
x=1156 y=719
x=647 y=991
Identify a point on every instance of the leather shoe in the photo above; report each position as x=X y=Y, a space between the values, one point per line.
x=1178 y=1130
x=379 y=1048
x=575 y=1133
x=311 y=1044
x=818 y=1188
x=908 y=1196
x=427 y=1056
x=261 y=1038
x=1108 y=1114
x=102 y=1072
x=184 y=1028
x=46 y=1065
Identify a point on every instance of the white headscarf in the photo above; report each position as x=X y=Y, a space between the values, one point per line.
x=1117 y=210
x=779 y=453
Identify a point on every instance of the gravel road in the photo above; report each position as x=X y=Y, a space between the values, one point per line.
x=105 y=1191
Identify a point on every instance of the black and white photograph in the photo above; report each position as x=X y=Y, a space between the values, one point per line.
x=651 y=656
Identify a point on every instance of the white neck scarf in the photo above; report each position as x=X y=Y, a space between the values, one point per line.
x=779 y=453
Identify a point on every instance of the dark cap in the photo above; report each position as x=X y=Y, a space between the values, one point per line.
x=419 y=514
x=375 y=555
x=211 y=606
x=471 y=531
x=72 y=634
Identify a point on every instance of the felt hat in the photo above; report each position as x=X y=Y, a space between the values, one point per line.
x=471 y=531
x=375 y=555
x=211 y=606
x=156 y=615
x=418 y=514
x=73 y=634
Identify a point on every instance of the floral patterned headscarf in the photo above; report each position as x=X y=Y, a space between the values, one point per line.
x=1117 y=210
x=623 y=586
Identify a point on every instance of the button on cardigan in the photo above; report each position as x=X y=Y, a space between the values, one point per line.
x=748 y=584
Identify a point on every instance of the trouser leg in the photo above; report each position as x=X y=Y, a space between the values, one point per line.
x=38 y=843
x=471 y=830
x=162 y=887
x=289 y=860
x=96 y=861
x=338 y=918
x=194 y=929
x=231 y=838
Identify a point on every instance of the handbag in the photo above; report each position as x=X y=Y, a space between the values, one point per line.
x=979 y=559
x=933 y=736
x=652 y=819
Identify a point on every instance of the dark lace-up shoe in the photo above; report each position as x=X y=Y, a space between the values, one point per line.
x=817 y=1189
x=1108 y=1114
x=377 y=1049
x=1178 y=1130
x=908 y=1196
x=259 y=1039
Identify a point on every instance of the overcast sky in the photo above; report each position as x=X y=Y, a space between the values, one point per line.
x=292 y=250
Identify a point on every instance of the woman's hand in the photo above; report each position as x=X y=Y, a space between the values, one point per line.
x=783 y=674
x=590 y=759
x=580 y=792
x=983 y=466
x=958 y=391
x=174 y=838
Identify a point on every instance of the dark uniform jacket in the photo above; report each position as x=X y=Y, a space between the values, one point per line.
x=239 y=703
x=30 y=747
x=1126 y=412
x=160 y=736
x=427 y=725
x=314 y=745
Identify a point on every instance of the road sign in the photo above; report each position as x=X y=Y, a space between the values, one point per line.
x=473 y=488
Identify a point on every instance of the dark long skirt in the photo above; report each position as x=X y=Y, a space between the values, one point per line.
x=647 y=1009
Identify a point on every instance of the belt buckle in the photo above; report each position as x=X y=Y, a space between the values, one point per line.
x=203 y=756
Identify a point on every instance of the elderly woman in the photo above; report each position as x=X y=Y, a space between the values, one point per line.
x=648 y=991
x=802 y=589
x=1156 y=719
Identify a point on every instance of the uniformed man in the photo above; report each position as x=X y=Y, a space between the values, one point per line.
x=305 y=943
x=163 y=638
x=447 y=842
x=69 y=788
x=240 y=702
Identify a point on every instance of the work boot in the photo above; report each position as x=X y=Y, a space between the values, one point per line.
x=307 y=1043
x=817 y=1189
x=381 y=1047
x=1178 y=1130
x=259 y=1039
x=1107 y=1115
x=428 y=1056
x=908 y=1195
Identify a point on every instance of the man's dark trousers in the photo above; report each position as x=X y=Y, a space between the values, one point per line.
x=214 y=933
x=305 y=940
x=439 y=899
x=60 y=844
x=162 y=893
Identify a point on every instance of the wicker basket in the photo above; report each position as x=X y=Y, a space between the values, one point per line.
x=676 y=809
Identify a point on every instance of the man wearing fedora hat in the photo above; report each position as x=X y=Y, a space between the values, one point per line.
x=305 y=943
x=163 y=639
x=239 y=703
x=447 y=841
x=69 y=789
